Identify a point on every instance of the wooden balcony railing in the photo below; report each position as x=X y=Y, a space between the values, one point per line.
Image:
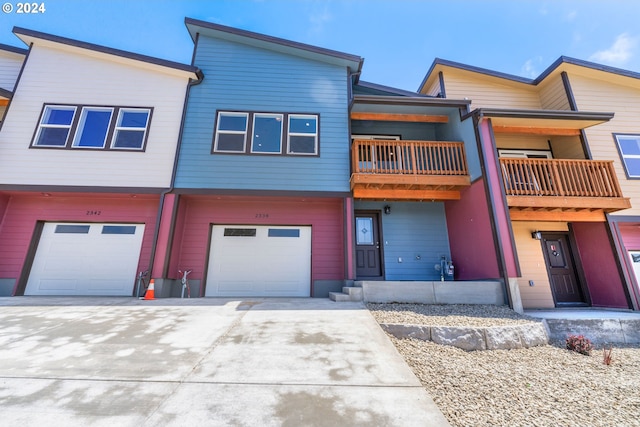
x=563 y=178
x=408 y=170
x=409 y=157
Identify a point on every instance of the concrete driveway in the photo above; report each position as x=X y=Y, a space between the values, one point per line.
x=216 y=362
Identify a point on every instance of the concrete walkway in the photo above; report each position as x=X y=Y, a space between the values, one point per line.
x=218 y=362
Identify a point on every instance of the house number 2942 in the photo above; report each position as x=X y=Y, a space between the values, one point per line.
x=262 y=215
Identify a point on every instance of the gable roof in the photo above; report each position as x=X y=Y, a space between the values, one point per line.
x=13 y=49
x=29 y=36
x=195 y=26
x=559 y=63
x=368 y=88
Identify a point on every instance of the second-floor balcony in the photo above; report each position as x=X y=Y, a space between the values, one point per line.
x=408 y=170
x=559 y=189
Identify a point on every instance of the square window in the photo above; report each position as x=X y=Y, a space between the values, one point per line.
x=131 y=129
x=303 y=134
x=629 y=148
x=267 y=133
x=231 y=132
x=93 y=127
x=55 y=126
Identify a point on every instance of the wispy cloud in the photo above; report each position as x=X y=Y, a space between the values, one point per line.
x=571 y=15
x=619 y=53
x=530 y=67
x=319 y=18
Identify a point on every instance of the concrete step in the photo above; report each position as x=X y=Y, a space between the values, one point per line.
x=349 y=293
x=353 y=291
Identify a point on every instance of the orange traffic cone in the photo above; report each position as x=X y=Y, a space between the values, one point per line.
x=150 y=294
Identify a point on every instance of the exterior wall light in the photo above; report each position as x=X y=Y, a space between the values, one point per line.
x=387 y=210
x=536 y=235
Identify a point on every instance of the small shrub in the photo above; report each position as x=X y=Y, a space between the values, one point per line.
x=579 y=344
x=607 y=355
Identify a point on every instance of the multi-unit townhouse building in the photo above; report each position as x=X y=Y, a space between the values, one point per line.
x=87 y=148
x=560 y=156
x=268 y=168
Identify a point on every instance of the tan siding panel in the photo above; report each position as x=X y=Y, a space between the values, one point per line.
x=553 y=96
x=486 y=93
x=434 y=90
x=600 y=95
x=567 y=147
x=76 y=79
x=522 y=142
x=532 y=263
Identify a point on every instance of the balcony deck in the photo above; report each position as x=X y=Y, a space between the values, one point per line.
x=561 y=189
x=408 y=170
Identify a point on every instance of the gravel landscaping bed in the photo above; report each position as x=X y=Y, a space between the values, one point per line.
x=539 y=386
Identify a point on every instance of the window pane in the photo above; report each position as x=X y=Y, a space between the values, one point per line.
x=230 y=142
x=232 y=122
x=633 y=166
x=302 y=144
x=133 y=119
x=58 y=116
x=56 y=137
x=267 y=134
x=119 y=229
x=364 y=227
x=302 y=125
x=284 y=232
x=72 y=229
x=93 y=128
x=240 y=232
x=629 y=145
x=128 y=139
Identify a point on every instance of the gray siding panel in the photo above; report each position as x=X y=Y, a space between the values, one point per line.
x=243 y=78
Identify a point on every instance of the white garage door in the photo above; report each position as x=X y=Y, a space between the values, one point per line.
x=86 y=259
x=272 y=261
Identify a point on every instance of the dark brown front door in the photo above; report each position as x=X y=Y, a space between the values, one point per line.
x=560 y=265
x=368 y=259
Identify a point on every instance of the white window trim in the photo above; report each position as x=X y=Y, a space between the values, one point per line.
x=623 y=156
x=253 y=132
x=315 y=134
x=376 y=137
x=231 y=132
x=80 y=128
x=54 y=126
x=117 y=128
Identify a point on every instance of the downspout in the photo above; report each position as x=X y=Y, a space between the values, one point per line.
x=502 y=265
x=156 y=232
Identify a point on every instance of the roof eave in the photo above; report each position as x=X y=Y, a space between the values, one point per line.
x=353 y=62
x=406 y=100
x=25 y=35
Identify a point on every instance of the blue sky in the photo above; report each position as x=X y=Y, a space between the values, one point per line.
x=398 y=39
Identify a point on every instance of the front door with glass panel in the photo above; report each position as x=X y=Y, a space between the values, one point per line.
x=368 y=256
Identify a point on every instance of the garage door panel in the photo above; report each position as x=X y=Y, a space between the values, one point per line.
x=259 y=261
x=81 y=259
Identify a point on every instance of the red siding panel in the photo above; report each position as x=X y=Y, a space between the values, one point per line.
x=470 y=236
x=24 y=211
x=598 y=261
x=197 y=213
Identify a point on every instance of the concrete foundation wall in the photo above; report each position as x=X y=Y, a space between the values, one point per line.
x=473 y=292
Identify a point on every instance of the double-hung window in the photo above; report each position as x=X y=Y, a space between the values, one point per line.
x=303 y=134
x=131 y=129
x=266 y=133
x=55 y=126
x=629 y=148
x=92 y=127
x=231 y=132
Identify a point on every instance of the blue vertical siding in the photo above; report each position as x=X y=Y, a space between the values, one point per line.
x=239 y=77
x=412 y=230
